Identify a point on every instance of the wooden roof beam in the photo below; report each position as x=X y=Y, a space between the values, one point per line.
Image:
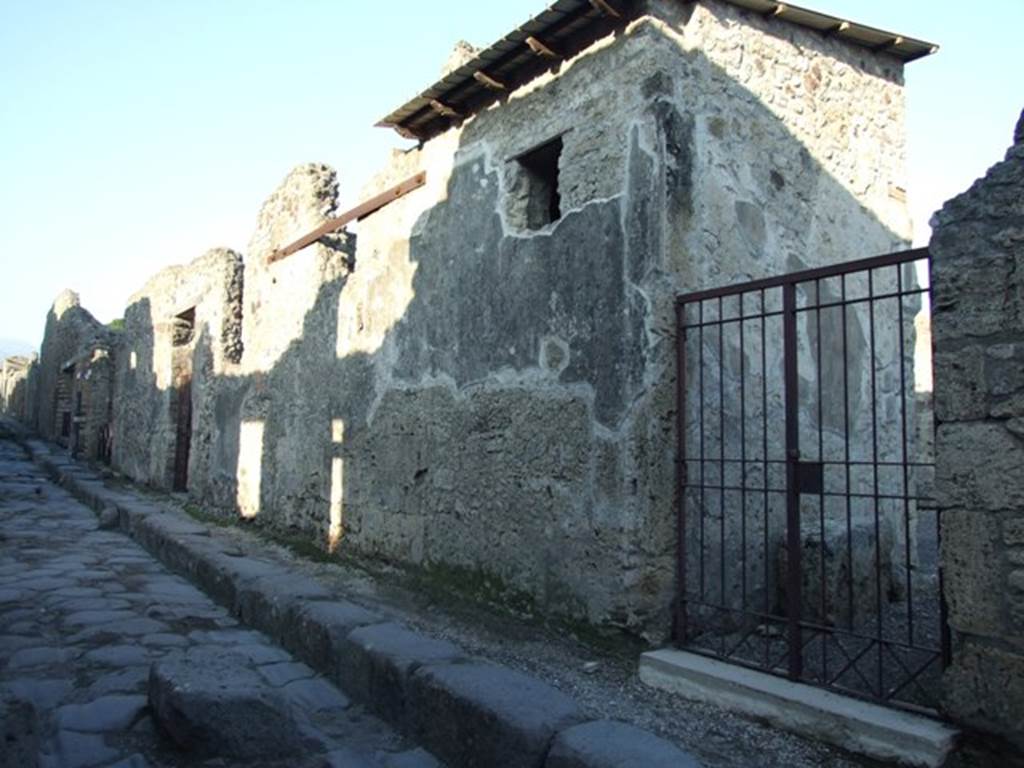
x=489 y=82
x=444 y=110
x=361 y=211
x=541 y=49
x=605 y=8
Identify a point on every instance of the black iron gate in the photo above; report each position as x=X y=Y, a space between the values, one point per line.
x=808 y=542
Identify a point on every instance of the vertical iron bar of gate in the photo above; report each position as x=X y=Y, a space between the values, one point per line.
x=793 y=569
x=681 y=473
x=721 y=460
x=906 y=460
x=767 y=466
x=821 y=491
x=876 y=491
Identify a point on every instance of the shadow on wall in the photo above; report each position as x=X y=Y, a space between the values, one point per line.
x=517 y=424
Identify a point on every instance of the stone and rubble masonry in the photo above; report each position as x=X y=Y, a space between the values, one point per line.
x=464 y=394
x=69 y=329
x=18 y=387
x=184 y=323
x=466 y=711
x=978 y=325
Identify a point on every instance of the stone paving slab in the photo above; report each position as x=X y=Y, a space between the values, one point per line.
x=470 y=713
x=477 y=713
x=607 y=744
x=88 y=618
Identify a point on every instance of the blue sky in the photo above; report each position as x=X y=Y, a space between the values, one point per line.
x=136 y=134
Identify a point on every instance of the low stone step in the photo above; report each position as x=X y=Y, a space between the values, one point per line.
x=858 y=726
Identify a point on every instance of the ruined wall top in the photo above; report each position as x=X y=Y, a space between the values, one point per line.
x=307 y=196
x=462 y=52
x=999 y=188
x=64 y=301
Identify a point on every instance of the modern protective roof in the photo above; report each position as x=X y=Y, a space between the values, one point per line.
x=569 y=26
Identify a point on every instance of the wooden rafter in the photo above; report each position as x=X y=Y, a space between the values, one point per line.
x=606 y=8
x=443 y=109
x=540 y=48
x=489 y=82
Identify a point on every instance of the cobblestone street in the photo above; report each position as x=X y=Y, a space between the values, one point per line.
x=85 y=613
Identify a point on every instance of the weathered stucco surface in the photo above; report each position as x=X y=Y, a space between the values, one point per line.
x=464 y=392
x=157 y=353
x=466 y=388
x=978 y=327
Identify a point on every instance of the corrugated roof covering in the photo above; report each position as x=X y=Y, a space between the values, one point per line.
x=569 y=26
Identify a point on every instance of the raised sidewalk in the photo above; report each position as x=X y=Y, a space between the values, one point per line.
x=467 y=711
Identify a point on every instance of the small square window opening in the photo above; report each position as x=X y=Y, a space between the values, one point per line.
x=539 y=171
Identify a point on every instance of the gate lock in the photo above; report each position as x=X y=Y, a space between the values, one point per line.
x=810 y=477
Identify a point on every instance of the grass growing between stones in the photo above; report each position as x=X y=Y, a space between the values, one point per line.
x=463 y=590
x=198 y=514
x=468 y=592
x=440 y=579
x=299 y=546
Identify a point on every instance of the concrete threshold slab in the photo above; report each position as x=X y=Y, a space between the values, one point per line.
x=857 y=726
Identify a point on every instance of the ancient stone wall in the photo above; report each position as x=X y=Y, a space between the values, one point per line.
x=181 y=331
x=484 y=392
x=17 y=379
x=978 y=328
x=90 y=381
x=69 y=329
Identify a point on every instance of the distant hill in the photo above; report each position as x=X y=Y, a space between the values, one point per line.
x=10 y=347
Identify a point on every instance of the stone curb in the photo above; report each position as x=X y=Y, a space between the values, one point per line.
x=468 y=712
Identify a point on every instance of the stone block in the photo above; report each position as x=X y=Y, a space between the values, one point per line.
x=109 y=518
x=481 y=714
x=609 y=744
x=19 y=733
x=1004 y=369
x=222 y=575
x=984 y=688
x=316 y=629
x=107 y=713
x=314 y=694
x=413 y=758
x=208 y=704
x=960 y=385
x=979 y=466
x=376 y=662
x=264 y=603
x=972 y=574
x=1008 y=408
x=209 y=572
x=71 y=749
x=972 y=297
x=1013 y=532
